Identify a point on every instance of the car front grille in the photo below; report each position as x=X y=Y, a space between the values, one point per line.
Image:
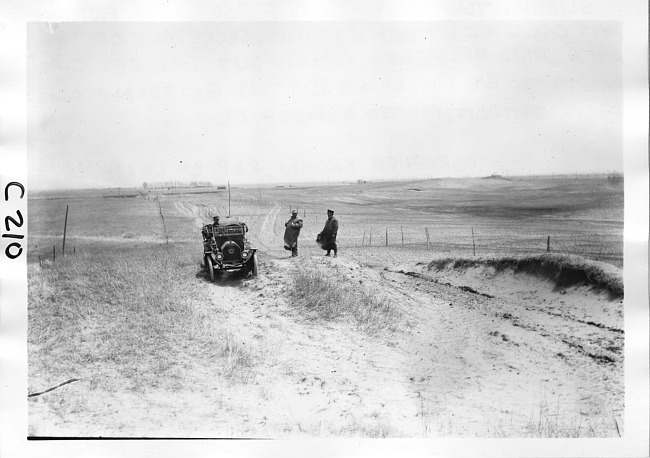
x=231 y=252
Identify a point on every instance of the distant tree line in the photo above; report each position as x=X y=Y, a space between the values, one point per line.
x=176 y=184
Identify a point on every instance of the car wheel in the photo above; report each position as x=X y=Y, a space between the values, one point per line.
x=210 y=267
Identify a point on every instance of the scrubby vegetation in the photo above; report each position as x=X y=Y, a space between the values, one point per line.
x=132 y=313
x=549 y=422
x=329 y=297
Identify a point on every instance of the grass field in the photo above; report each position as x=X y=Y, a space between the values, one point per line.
x=128 y=312
x=582 y=216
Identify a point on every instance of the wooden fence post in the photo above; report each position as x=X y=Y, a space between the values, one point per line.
x=363 y=240
x=402 y=231
x=65 y=227
x=426 y=232
x=548 y=244
x=386 y=236
x=54 y=254
x=370 y=242
x=473 y=242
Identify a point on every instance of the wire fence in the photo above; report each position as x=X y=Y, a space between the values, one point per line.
x=365 y=227
x=487 y=238
x=474 y=241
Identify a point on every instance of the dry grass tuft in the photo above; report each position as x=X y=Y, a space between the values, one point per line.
x=239 y=358
x=329 y=297
x=549 y=422
x=373 y=427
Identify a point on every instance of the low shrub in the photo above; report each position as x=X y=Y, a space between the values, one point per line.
x=329 y=297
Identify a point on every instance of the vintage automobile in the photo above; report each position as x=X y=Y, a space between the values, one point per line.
x=225 y=248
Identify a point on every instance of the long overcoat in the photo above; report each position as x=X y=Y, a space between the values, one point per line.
x=292 y=232
x=327 y=237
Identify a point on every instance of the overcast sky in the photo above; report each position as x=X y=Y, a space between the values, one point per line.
x=118 y=104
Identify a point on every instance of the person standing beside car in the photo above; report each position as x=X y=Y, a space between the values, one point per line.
x=292 y=232
x=327 y=237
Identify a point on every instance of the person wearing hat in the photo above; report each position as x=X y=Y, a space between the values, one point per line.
x=207 y=231
x=327 y=238
x=292 y=232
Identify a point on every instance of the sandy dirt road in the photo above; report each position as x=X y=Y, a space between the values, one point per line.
x=476 y=353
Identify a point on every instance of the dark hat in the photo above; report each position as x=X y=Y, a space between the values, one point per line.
x=215 y=217
x=294 y=211
x=330 y=211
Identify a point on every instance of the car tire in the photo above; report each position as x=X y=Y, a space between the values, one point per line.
x=210 y=267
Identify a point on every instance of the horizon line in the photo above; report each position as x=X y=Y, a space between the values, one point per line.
x=358 y=181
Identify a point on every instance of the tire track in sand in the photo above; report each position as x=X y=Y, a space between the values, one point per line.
x=201 y=212
x=267 y=236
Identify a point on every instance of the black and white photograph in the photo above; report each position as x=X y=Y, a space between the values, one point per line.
x=239 y=229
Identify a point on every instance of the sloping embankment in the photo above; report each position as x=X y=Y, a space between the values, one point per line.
x=563 y=271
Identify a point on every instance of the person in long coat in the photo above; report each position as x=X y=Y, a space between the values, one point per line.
x=327 y=237
x=292 y=232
